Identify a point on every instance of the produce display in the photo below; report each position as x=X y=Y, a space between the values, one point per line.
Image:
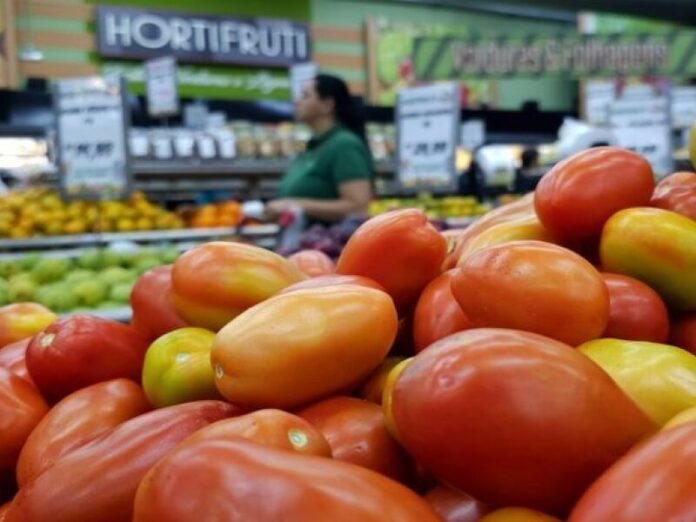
x=227 y=214
x=434 y=208
x=539 y=365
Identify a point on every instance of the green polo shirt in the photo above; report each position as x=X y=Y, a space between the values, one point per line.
x=332 y=158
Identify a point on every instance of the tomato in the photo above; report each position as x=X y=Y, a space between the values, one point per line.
x=3 y=511
x=654 y=481
x=97 y=482
x=13 y=357
x=518 y=514
x=177 y=368
x=577 y=196
x=684 y=416
x=81 y=350
x=21 y=409
x=400 y=250
x=455 y=506
x=661 y=379
x=683 y=332
x=388 y=396
x=437 y=313
x=217 y=281
x=513 y=418
x=677 y=193
x=76 y=420
x=23 y=320
x=332 y=280
x=533 y=286
x=298 y=347
x=373 y=388
x=151 y=301
x=275 y=428
x=355 y=430
x=313 y=263
x=656 y=246
x=636 y=311
x=212 y=480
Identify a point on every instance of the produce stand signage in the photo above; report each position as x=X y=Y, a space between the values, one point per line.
x=300 y=75
x=144 y=33
x=427 y=120
x=161 y=87
x=683 y=107
x=92 y=125
x=643 y=125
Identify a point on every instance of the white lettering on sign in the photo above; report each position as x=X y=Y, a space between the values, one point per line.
x=141 y=36
x=181 y=34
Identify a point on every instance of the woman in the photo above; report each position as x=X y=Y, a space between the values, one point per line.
x=333 y=177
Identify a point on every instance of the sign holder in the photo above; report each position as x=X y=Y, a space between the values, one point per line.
x=162 y=88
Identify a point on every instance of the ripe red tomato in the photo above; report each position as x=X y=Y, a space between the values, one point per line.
x=214 y=480
x=22 y=320
x=437 y=313
x=76 y=420
x=14 y=358
x=636 y=311
x=579 y=194
x=683 y=333
x=518 y=514
x=533 y=286
x=400 y=250
x=97 y=482
x=677 y=193
x=356 y=432
x=3 y=511
x=455 y=506
x=654 y=481
x=275 y=428
x=332 y=280
x=21 y=409
x=81 y=350
x=151 y=301
x=513 y=418
x=313 y=263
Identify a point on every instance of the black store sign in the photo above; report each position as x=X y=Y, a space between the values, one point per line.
x=144 y=33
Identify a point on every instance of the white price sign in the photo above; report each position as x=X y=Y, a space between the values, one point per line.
x=92 y=126
x=683 y=107
x=598 y=95
x=162 y=87
x=300 y=75
x=644 y=125
x=427 y=120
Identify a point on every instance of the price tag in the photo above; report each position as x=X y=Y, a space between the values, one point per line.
x=162 y=87
x=92 y=146
x=598 y=96
x=473 y=134
x=683 y=107
x=427 y=120
x=300 y=75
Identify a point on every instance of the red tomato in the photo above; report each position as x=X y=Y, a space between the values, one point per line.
x=654 y=481
x=313 y=263
x=533 y=286
x=151 y=301
x=97 y=482
x=518 y=514
x=677 y=193
x=513 y=418
x=81 y=350
x=240 y=480
x=275 y=428
x=21 y=409
x=76 y=420
x=636 y=311
x=373 y=388
x=455 y=506
x=579 y=194
x=3 y=511
x=683 y=333
x=332 y=280
x=355 y=430
x=438 y=313
x=22 y=320
x=14 y=358
x=400 y=250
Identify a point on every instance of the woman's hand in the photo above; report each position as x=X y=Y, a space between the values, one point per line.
x=276 y=207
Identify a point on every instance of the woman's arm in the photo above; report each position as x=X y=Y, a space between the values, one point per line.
x=354 y=196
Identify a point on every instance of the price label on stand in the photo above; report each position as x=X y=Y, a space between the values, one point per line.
x=683 y=107
x=644 y=125
x=427 y=121
x=162 y=87
x=300 y=75
x=92 y=127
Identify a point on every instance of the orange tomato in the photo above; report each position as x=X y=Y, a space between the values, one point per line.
x=14 y=358
x=313 y=263
x=298 y=347
x=518 y=514
x=455 y=506
x=275 y=428
x=677 y=193
x=215 y=282
x=533 y=286
x=400 y=250
x=373 y=388
x=332 y=280
x=21 y=320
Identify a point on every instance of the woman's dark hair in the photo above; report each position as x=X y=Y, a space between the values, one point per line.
x=347 y=112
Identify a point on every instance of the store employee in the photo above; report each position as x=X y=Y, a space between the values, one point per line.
x=333 y=177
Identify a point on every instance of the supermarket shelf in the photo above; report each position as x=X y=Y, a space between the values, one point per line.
x=122 y=314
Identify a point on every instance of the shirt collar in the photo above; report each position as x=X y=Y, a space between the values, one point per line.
x=315 y=141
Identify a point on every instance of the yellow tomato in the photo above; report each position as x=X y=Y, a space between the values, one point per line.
x=681 y=418
x=518 y=514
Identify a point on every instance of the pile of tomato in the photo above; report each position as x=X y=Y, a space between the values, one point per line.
x=539 y=366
